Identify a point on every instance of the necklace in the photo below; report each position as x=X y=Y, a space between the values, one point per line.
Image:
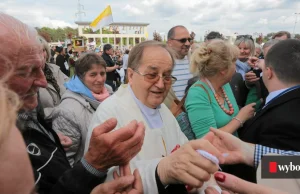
x=231 y=109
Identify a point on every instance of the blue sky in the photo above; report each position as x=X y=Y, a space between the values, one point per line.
x=228 y=17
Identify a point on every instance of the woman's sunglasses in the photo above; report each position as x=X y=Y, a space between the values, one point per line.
x=245 y=36
x=183 y=40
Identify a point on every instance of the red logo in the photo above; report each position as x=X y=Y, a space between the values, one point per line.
x=273 y=167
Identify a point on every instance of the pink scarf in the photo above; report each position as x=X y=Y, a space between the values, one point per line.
x=102 y=96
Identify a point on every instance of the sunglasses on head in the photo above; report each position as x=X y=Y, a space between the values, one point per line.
x=245 y=36
x=183 y=40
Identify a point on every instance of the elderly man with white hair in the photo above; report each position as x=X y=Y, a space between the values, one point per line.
x=22 y=56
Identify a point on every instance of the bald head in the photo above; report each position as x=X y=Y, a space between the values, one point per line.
x=16 y=39
x=179 y=39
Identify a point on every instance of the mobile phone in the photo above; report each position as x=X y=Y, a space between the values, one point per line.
x=257 y=72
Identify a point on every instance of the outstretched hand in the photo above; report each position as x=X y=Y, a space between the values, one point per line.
x=236 y=150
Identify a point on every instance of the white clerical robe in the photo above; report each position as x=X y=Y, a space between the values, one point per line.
x=157 y=143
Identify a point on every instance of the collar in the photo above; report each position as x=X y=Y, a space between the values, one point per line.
x=145 y=109
x=274 y=94
x=185 y=59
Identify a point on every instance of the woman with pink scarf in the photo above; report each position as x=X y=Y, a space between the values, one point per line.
x=85 y=91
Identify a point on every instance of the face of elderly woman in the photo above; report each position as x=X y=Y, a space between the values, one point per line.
x=95 y=78
x=155 y=61
x=244 y=51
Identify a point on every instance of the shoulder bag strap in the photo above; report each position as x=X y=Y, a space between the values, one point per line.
x=200 y=85
x=182 y=101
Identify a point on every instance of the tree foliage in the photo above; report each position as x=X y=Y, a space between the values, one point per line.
x=55 y=34
x=157 y=37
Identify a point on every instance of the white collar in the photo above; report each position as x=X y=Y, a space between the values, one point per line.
x=274 y=94
x=145 y=109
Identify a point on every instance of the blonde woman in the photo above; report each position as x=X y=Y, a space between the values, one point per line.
x=246 y=46
x=210 y=101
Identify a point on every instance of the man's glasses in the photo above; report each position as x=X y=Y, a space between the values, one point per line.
x=183 y=40
x=245 y=36
x=152 y=78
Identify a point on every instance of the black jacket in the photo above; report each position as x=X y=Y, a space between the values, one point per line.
x=54 y=174
x=60 y=61
x=239 y=89
x=111 y=76
x=277 y=126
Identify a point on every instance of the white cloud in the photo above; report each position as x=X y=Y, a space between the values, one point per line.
x=263 y=21
x=150 y=2
x=36 y=17
x=130 y=10
x=242 y=16
x=205 y=18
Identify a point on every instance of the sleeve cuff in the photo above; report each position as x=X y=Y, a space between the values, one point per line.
x=160 y=187
x=91 y=169
x=257 y=155
x=260 y=151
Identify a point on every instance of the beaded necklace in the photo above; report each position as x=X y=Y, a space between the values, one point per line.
x=231 y=109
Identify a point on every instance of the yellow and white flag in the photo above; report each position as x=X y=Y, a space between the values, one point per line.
x=104 y=19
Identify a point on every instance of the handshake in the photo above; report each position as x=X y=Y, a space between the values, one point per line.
x=183 y=166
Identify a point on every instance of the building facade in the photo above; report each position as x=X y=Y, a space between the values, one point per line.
x=123 y=34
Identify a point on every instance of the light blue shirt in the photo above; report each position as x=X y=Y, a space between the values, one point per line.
x=242 y=68
x=152 y=116
x=273 y=95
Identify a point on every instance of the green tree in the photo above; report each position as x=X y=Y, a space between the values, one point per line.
x=45 y=35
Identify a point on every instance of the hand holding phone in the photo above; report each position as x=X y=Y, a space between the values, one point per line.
x=252 y=62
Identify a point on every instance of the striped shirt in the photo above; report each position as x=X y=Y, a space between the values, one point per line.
x=182 y=73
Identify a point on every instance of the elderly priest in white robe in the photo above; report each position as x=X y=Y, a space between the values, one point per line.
x=150 y=67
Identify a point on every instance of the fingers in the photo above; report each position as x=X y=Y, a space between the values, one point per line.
x=225 y=192
x=210 y=190
x=219 y=133
x=67 y=141
x=252 y=104
x=251 y=77
x=254 y=79
x=114 y=186
x=105 y=127
x=205 y=145
x=209 y=136
x=134 y=144
x=124 y=133
x=121 y=183
x=115 y=175
x=199 y=164
x=199 y=173
x=138 y=185
x=186 y=178
x=237 y=185
x=123 y=151
x=225 y=137
x=250 y=74
x=126 y=169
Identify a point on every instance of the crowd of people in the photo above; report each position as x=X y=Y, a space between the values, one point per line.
x=82 y=131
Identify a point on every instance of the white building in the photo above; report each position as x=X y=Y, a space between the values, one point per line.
x=136 y=32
